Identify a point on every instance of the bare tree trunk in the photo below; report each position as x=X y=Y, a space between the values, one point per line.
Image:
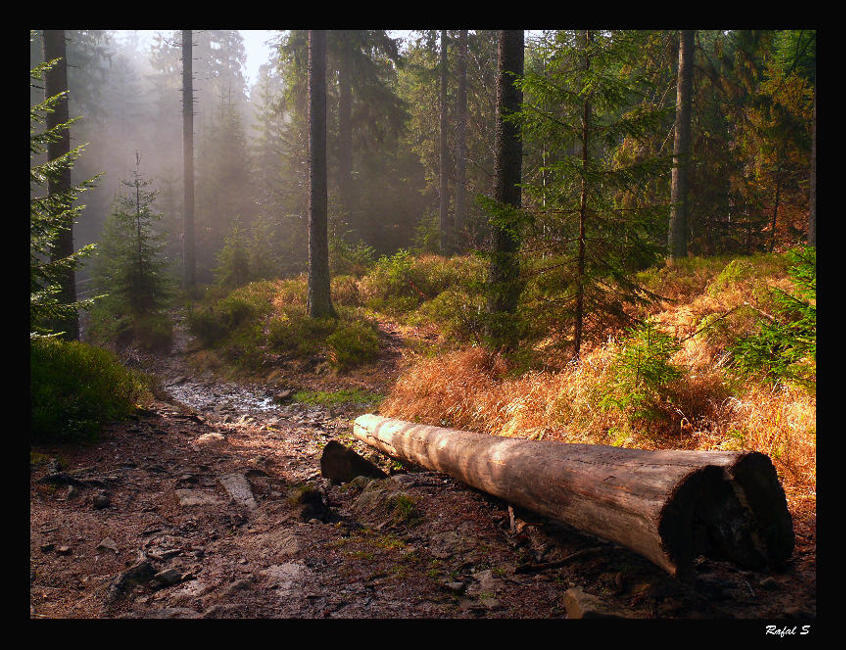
x=503 y=273
x=812 y=212
x=188 y=252
x=55 y=82
x=774 y=221
x=319 y=297
x=345 y=184
x=444 y=179
x=678 y=235
x=580 y=273
x=460 y=137
x=667 y=505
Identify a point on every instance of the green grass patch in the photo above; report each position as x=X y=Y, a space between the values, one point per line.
x=338 y=397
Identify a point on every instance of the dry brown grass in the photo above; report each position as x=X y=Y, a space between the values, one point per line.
x=476 y=390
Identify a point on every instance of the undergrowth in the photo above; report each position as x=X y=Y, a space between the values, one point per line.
x=682 y=378
x=75 y=388
x=673 y=382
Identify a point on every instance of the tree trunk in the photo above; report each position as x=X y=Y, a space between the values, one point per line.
x=345 y=184
x=812 y=212
x=504 y=270
x=669 y=506
x=774 y=220
x=444 y=189
x=55 y=82
x=677 y=238
x=319 y=297
x=461 y=138
x=580 y=274
x=188 y=253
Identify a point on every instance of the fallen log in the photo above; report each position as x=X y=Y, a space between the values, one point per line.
x=669 y=506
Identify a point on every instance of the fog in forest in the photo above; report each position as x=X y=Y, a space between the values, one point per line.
x=249 y=138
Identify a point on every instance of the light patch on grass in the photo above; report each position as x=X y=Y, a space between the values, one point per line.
x=335 y=398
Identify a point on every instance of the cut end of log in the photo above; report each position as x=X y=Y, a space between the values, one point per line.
x=670 y=506
x=735 y=512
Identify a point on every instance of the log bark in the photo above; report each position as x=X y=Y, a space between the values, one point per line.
x=669 y=506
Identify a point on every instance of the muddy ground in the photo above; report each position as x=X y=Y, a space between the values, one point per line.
x=211 y=504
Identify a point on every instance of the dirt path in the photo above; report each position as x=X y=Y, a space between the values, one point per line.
x=211 y=505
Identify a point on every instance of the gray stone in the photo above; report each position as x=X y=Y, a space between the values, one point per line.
x=197 y=498
x=286 y=578
x=210 y=440
x=283 y=395
x=238 y=487
x=139 y=573
x=167 y=577
x=107 y=544
x=580 y=604
x=485 y=583
x=341 y=464
x=101 y=500
x=405 y=481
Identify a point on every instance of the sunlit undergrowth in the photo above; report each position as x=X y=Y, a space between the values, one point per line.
x=257 y=325
x=674 y=382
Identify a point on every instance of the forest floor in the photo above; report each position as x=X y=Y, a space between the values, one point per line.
x=211 y=504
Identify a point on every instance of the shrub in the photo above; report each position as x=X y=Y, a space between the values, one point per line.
x=243 y=307
x=641 y=371
x=400 y=283
x=207 y=326
x=394 y=276
x=349 y=259
x=233 y=260
x=345 y=291
x=353 y=344
x=76 y=388
x=784 y=347
x=733 y=272
x=294 y=331
x=244 y=347
x=459 y=314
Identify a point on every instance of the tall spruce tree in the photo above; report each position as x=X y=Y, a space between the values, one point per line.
x=584 y=103
x=52 y=214
x=56 y=85
x=319 y=297
x=678 y=233
x=503 y=271
x=188 y=248
x=445 y=225
x=461 y=139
